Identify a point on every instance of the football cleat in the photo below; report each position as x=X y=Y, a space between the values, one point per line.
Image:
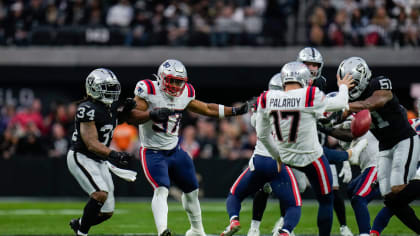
x=232 y=228
x=75 y=225
x=253 y=232
x=345 y=231
x=283 y=233
x=277 y=227
x=193 y=232
x=356 y=149
x=166 y=232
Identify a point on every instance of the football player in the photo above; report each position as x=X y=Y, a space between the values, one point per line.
x=95 y=121
x=399 y=148
x=360 y=190
x=313 y=59
x=162 y=158
x=411 y=191
x=291 y=115
x=262 y=169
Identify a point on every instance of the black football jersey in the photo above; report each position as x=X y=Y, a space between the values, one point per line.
x=321 y=83
x=389 y=123
x=105 y=119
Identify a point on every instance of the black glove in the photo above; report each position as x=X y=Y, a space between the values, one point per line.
x=160 y=115
x=120 y=157
x=129 y=104
x=124 y=111
x=326 y=129
x=242 y=109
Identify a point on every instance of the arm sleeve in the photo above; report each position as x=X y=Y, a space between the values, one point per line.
x=263 y=129
x=340 y=101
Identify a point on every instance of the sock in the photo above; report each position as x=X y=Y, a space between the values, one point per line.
x=291 y=218
x=255 y=224
x=259 y=204
x=90 y=213
x=382 y=219
x=339 y=208
x=101 y=218
x=361 y=213
x=325 y=214
x=233 y=206
x=160 y=208
x=192 y=207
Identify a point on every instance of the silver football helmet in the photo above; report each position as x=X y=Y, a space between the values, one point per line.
x=295 y=72
x=310 y=54
x=103 y=85
x=418 y=107
x=275 y=82
x=172 y=77
x=359 y=70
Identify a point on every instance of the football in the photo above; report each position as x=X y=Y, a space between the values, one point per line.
x=361 y=123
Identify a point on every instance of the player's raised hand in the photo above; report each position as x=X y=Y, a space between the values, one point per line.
x=160 y=115
x=346 y=80
x=120 y=157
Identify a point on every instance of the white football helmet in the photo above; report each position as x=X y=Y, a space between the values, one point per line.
x=172 y=77
x=310 y=54
x=295 y=72
x=102 y=85
x=275 y=82
x=359 y=70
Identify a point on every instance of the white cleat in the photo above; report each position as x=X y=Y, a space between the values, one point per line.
x=356 y=149
x=193 y=232
x=277 y=226
x=253 y=232
x=345 y=231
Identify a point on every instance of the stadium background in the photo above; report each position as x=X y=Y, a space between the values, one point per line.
x=230 y=49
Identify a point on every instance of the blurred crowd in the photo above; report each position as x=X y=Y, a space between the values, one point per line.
x=25 y=132
x=210 y=22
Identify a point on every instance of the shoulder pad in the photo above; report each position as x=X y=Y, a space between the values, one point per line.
x=150 y=86
x=191 y=91
x=381 y=83
x=86 y=112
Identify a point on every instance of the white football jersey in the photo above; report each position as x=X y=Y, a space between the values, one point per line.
x=291 y=117
x=259 y=148
x=369 y=156
x=162 y=136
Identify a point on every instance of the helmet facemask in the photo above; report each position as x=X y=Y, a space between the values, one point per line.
x=173 y=85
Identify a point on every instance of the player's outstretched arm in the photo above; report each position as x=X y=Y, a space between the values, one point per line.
x=216 y=110
x=378 y=99
x=139 y=114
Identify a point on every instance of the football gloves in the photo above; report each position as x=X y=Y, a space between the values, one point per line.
x=346 y=172
x=160 y=115
x=124 y=112
x=120 y=157
x=240 y=110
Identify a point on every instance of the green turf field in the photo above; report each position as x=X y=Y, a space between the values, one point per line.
x=135 y=217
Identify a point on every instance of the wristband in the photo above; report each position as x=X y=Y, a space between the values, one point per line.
x=221 y=111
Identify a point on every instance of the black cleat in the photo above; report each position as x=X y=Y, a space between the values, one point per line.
x=75 y=225
x=167 y=232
